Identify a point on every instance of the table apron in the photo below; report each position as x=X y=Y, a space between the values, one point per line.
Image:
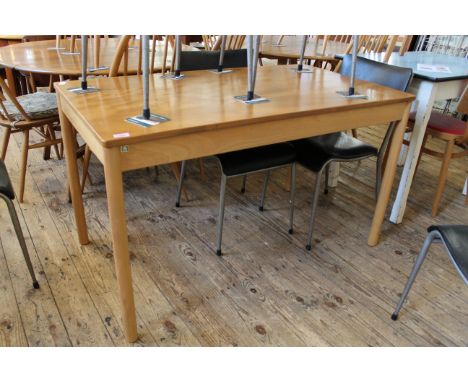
x=444 y=90
x=216 y=141
x=82 y=128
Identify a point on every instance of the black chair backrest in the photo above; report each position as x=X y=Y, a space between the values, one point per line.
x=383 y=74
x=205 y=60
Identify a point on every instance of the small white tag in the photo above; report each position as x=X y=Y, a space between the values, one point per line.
x=465 y=189
x=434 y=68
x=121 y=135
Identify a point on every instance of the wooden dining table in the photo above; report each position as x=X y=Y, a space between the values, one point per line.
x=42 y=57
x=290 y=49
x=205 y=119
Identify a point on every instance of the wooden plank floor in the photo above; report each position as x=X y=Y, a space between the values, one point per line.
x=266 y=291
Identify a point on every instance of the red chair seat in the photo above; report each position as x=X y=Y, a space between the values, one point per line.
x=443 y=123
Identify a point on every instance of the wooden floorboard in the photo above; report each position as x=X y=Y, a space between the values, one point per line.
x=267 y=290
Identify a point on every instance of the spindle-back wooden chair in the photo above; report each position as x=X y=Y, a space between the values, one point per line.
x=454 y=132
x=31 y=112
x=213 y=42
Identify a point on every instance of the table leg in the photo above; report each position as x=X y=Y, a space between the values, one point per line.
x=387 y=180
x=425 y=100
x=116 y=206
x=73 y=178
x=10 y=77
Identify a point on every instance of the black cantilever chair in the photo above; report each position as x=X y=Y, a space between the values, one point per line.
x=243 y=162
x=316 y=153
x=7 y=194
x=209 y=59
x=455 y=240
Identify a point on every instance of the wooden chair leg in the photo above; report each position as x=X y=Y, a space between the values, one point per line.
x=51 y=130
x=176 y=170
x=201 y=165
x=45 y=130
x=6 y=139
x=354 y=133
x=442 y=177
x=24 y=163
x=86 y=160
x=420 y=153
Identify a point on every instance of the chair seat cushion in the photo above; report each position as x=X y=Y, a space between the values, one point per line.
x=5 y=185
x=443 y=123
x=38 y=105
x=315 y=152
x=256 y=159
x=456 y=239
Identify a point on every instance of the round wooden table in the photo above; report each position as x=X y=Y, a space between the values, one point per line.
x=41 y=57
x=290 y=49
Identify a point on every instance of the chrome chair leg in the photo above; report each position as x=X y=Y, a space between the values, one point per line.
x=314 y=209
x=327 y=178
x=181 y=180
x=380 y=158
x=292 y=196
x=417 y=266
x=19 y=234
x=244 y=181
x=265 y=185
x=219 y=229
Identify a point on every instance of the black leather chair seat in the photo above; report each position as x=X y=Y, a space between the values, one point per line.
x=257 y=158
x=315 y=152
x=5 y=184
x=455 y=238
x=204 y=60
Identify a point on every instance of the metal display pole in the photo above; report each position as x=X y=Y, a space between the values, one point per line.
x=84 y=69
x=147 y=119
x=220 y=69
x=353 y=65
x=177 y=75
x=221 y=54
x=351 y=93
x=84 y=61
x=300 y=67
x=145 y=57
x=253 y=47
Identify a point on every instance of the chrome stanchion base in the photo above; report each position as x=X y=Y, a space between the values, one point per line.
x=215 y=71
x=256 y=99
x=89 y=89
x=55 y=48
x=172 y=76
x=93 y=69
x=345 y=93
x=303 y=70
x=70 y=53
x=155 y=119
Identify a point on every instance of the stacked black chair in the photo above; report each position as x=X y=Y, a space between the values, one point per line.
x=206 y=60
x=455 y=240
x=243 y=162
x=317 y=153
x=7 y=194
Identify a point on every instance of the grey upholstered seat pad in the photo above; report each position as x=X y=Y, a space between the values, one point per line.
x=37 y=105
